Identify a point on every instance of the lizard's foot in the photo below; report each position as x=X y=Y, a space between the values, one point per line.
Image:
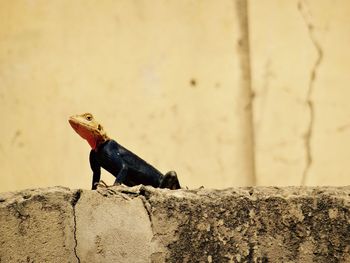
x=170 y=181
x=101 y=183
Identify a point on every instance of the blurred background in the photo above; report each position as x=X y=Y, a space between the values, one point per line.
x=227 y=93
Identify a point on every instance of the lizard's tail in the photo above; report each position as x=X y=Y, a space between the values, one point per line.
x=170 y=181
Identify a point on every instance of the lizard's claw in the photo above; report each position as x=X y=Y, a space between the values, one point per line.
x=101 y=183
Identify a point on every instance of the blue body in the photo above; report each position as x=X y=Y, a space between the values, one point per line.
x=127 y=167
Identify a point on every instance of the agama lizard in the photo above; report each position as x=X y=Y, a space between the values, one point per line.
x=127 y=167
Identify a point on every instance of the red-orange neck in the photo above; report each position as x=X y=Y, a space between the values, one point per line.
x=93 y=140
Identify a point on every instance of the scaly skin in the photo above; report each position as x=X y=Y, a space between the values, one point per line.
x=126 y=166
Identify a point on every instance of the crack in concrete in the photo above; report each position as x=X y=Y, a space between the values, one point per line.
x=75 y=199
x=302 y=5
x=148 y=209
x=145 y=195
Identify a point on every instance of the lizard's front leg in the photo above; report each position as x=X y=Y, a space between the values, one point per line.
x=96 y=168
x=120 y=178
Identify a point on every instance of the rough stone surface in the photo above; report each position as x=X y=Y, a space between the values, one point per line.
x=112 y=226
x=37 y=226
x=143 y=224
x=253 y=225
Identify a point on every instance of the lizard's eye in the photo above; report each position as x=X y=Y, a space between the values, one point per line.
x=89 y=117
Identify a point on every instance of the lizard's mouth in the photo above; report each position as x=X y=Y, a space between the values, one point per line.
x=81 y=129
x=74 y=124
x=78 y=127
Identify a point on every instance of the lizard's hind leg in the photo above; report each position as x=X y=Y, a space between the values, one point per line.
x=170 y=181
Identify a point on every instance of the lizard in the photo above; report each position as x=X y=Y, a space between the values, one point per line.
x=128 y=168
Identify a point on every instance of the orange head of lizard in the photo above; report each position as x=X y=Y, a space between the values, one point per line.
x=89 y=129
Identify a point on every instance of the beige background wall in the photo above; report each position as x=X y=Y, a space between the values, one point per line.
x=170 y=81
x=301 y=75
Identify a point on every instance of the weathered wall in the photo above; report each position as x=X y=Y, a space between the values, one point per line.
x=143 y=224
x=164 y=78
x=37 y=226
x=300 y=76
x=171 y=81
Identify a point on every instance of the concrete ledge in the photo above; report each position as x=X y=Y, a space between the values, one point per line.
x=143 y=224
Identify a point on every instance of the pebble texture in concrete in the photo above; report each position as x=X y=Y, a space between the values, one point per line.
x=143 y=224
